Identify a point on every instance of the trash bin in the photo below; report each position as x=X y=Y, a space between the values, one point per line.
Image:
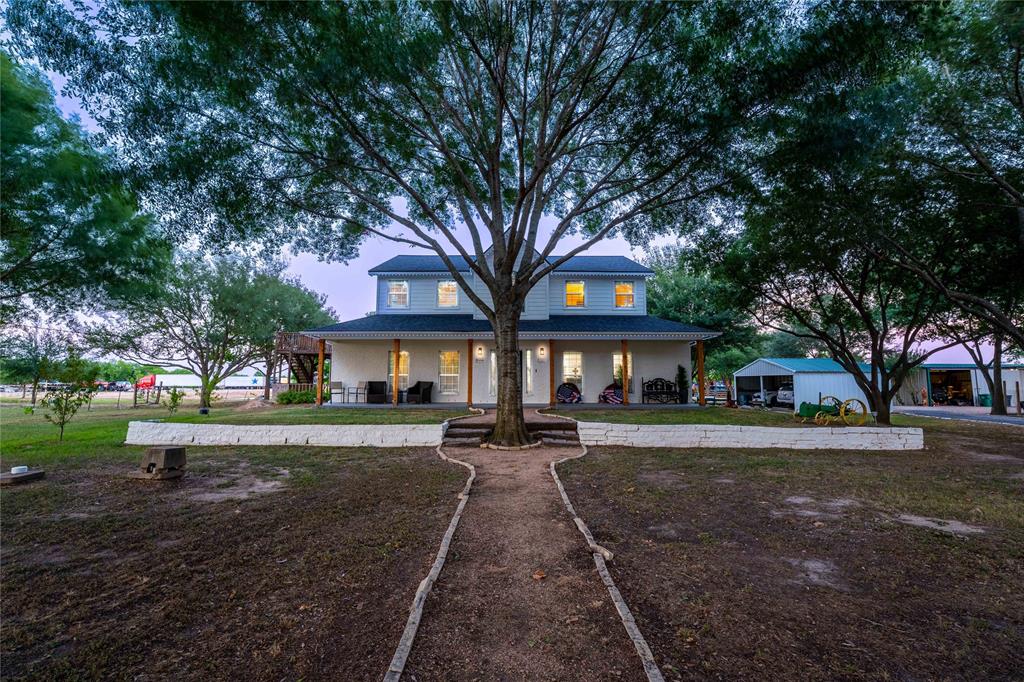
x=985 y=399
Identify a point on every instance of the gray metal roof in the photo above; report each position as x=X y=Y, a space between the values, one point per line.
x=557 y=326
x=417 y=264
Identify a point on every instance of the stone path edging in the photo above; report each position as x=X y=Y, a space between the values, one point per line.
x=394 y=672
x=601 y=555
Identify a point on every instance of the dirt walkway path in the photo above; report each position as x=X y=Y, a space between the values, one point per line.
x=488 y=617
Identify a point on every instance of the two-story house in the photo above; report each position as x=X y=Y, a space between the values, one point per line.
x=576 y=324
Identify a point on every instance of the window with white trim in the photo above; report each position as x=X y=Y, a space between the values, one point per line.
x=448 y=372
x=447 y=294
x=398 y=294
x=572 y=368
x=403 y=370
x=575 y=293
x=617 y=369
x=624 y=297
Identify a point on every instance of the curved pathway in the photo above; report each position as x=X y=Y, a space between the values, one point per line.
x=519 y=596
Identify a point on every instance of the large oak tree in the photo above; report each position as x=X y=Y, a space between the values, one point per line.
x=406 y=121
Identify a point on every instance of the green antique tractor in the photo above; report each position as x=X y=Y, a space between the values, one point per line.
x=832 y=410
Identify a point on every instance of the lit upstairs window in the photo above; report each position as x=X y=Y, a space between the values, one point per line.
x=624 y=295
x=575 y=294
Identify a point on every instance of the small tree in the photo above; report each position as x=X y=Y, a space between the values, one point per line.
x=76 y=388
x=286 y=306
x=31 y=353
x=173 y=400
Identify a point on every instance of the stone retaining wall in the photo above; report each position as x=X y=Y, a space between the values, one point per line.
x=722 y=436
x=326 y=435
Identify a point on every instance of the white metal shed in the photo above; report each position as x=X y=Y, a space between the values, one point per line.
x=812 y=379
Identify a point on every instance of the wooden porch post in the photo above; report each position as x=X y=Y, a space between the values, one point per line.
x=394 y=378
x=320 y=345
x=625 y=372
x=700 y=374
x=469 y=370
x=551 y=372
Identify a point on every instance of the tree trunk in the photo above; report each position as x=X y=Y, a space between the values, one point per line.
x=266 y=376
x=205 y=391
x=875 y=388
x=35 y=389
x=509 y=424
x=998 y=397
x=883 y=412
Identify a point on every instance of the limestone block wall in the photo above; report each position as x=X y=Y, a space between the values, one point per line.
x=722 y=436
x=326 y=435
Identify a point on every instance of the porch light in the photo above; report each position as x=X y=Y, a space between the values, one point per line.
x=479 y=352
x=542 y=352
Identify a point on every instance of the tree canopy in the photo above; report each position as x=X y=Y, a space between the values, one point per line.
x=212 y=317
x=329 y=123
x=72 y=231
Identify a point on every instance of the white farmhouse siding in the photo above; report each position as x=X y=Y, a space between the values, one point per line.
x=596 y=330
x=422 y=296
x=599 y=295
x=355 y=361
x=359 y=360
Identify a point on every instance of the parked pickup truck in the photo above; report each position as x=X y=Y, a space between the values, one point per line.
x=784 y=396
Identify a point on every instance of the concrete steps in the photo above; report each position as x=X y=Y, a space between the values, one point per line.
x=550 y=432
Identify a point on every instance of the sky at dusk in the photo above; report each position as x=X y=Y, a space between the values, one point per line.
x=350 y=290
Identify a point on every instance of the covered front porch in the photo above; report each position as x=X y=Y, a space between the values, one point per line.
x=463 y=371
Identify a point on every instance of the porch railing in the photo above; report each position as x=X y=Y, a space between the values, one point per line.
x=294 y=342
x=281 y=388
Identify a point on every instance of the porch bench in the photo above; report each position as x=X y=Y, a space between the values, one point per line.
x=658 y=391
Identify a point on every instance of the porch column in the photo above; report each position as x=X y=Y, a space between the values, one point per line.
x=551 y=372
x=625 y=372
x=700 y=374
x=394 y=378
x=470 y=360
x=320 y=344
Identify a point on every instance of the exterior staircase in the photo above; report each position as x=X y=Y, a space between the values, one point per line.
x=550 y=432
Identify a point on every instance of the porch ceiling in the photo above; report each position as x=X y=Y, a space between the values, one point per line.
x=598 y=327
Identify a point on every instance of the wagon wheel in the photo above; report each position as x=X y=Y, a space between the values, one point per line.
x=833 y=404
x=822 y=419
x=854 y=412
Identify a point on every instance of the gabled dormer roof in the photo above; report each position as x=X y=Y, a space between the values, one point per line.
x=602 y=265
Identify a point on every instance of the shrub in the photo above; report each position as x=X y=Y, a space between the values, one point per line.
x=296 y=397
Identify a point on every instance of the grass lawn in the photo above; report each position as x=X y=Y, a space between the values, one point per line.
x=92 y=433
x=262 y=563
x=705 y=415
x=306 y=414
x=782 y=564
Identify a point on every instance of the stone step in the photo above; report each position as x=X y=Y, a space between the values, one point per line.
x=460 y=441
x=558 y=438
x=481 y=430
x=551 y=426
